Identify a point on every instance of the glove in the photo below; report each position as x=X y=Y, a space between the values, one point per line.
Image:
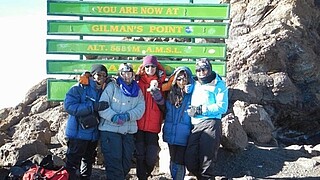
x=99 y=106
x=194 y=110
x=157 y=96
x=167 y=86
x=125 y=116
x=120 y=119
x=84 y=78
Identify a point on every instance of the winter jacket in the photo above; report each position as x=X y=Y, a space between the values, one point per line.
x=79 y=102
x=152 y=118
x=120 y=103
x=213 y=97
x=177 y=124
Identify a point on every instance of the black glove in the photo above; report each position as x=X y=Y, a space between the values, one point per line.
x=99 y=106
x=199 y=110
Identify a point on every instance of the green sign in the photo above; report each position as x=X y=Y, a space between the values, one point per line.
x=134 y=48
x=80 y=66
x=160 y=29
x=57 y=89
x=139 y=10
x=108 y=25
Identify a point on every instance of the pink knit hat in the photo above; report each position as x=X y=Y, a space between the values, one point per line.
x=150 y=60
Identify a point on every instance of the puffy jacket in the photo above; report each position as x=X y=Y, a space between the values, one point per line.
x=120 y=103
x=213 y=97
x=77 y=103
x=177 y=125
x=152 y=118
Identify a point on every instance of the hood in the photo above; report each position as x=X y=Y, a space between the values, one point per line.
x=179 y=69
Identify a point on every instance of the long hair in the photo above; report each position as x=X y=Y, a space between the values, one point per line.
x=176 y=94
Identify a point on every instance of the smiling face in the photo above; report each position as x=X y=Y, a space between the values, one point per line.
x=181 y=80
x=202 y=72
x=127 y=77
x=150 y=69
x=100 y=77
x=126 y=72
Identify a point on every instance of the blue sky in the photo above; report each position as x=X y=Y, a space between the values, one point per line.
x=23 y=38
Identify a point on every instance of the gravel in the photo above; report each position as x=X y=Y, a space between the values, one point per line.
x=255 y=162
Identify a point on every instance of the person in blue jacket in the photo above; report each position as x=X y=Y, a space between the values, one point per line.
x=82 y=102
x=209 y=102
x=177 y=125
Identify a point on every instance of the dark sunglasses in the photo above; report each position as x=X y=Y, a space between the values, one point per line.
x=201 y=69
x=147 y=66
x=181 y=79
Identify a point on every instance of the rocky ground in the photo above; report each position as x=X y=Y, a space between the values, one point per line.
x=258 y=162
x=255 y=162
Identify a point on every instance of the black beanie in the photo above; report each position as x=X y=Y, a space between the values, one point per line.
x=95 y=68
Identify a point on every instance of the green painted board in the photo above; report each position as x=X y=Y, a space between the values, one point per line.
x=57 y=88
x=139 y=10
x=134 y=48
x=80 y=66
x=146 y=29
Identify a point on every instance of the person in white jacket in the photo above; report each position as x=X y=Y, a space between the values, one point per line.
x=209 y=102
x=118 y=123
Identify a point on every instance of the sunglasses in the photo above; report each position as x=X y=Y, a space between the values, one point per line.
x=201 y=69
x=181 y=79
x=152 y=66
x=127 y=73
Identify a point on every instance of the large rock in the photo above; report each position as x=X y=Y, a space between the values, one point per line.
x=234 y=138
x=32 y=128
x=273 y=59
x=255 y=121
x=18 y=151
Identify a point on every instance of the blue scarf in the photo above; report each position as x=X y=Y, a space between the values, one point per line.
x=131 y=90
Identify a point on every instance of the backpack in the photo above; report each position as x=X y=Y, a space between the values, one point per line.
x=46 y=170
x=37 y=172
x=17 y=171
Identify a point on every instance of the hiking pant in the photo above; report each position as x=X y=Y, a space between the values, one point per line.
x=80 y=157
x=147 y=153
x=177 y=156
x=117 y=151
x=202 y=148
